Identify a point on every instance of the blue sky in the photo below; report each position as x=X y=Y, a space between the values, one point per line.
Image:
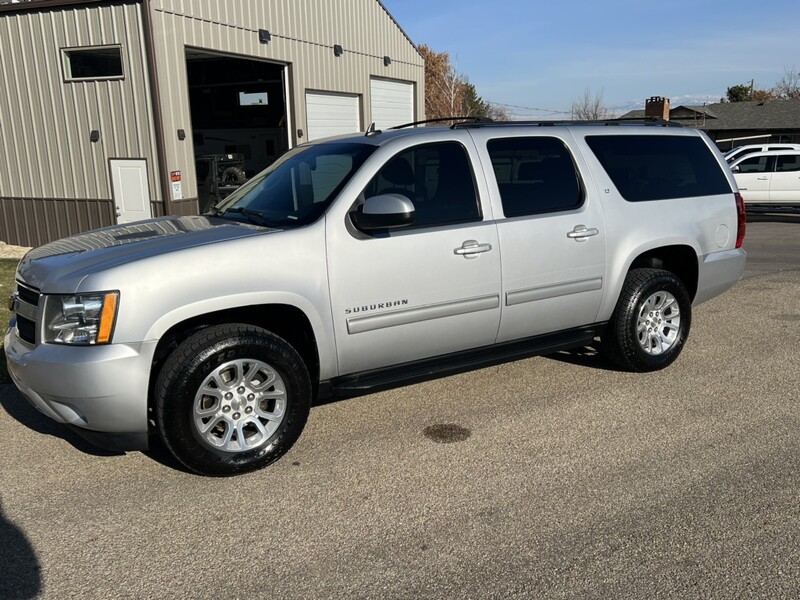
x=544 y=55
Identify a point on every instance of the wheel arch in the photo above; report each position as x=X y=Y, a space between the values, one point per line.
x=284 y=320
x=678 y=258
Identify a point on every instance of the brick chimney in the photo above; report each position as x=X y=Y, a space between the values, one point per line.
x=658 y=107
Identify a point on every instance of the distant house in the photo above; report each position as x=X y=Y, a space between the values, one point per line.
x=732 y=124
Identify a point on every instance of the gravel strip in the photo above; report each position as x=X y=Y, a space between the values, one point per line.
x=7 y=251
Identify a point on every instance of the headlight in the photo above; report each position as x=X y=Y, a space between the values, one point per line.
x=81 y=319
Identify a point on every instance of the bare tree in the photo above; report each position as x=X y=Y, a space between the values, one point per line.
x=451 y=92
x=448 y=93
x=590 y=107
x=443 y=93
x=788 y=88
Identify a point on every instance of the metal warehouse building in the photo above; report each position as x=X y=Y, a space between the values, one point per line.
x=106 y=104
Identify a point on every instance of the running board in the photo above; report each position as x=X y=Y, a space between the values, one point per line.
x=366 y=382
x=771 y=208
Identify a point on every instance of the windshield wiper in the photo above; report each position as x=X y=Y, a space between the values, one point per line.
x=256 y=217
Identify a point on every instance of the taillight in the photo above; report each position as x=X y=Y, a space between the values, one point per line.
x=741 y=220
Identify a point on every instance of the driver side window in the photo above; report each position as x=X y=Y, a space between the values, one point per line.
x=437 y=178
x=757 y=164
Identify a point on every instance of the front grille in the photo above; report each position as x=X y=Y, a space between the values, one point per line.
x=27 y=311
x=26 y=329
x=27 y=294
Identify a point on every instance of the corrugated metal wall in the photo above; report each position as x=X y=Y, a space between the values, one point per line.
x=53 y=180
x=303 y=34
x=36 y=221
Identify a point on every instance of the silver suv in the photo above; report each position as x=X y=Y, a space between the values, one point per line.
x=371 y=261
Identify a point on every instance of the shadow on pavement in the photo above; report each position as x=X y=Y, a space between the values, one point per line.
x=773 y=218
x=20 y=573
x=159 y=453
x=20 y=410
x=585 y=356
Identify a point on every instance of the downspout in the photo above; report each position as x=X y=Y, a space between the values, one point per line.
x=155 y=97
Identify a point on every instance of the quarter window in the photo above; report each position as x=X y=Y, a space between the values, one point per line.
x=437 y=178
x=99 y=62
x=659 y=167
x=534 y=175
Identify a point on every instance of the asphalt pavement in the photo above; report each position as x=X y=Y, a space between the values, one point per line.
x=552 y=477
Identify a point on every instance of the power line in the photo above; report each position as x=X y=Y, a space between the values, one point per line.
x=548 y=110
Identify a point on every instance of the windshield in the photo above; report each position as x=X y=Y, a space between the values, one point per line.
x=297 y=188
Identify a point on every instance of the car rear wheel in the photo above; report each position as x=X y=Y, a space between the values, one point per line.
x=650 y=323
x=232 y=399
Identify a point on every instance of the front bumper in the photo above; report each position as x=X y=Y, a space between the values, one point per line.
x=99 y=391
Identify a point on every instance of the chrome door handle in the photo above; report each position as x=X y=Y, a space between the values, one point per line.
x=763 y=178
x=471 y=248
x=581 y=232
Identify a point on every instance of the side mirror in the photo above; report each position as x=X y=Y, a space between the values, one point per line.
x=386 y=211
x=735 y=169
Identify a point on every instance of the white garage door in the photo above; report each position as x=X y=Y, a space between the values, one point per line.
x=331 y=114
x=392 y=102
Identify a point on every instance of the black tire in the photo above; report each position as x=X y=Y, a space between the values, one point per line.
x=233 y=175
x=621 y=342
x=204 y=356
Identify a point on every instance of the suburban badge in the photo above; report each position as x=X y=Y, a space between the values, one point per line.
x=378 y=306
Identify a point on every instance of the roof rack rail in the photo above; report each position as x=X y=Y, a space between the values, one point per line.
x=652 y=121
x=444 y=120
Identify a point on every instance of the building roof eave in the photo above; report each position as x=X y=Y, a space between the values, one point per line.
x=47 y=4
x=403 y=31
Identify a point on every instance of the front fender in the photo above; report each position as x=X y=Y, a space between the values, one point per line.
x=323 y=332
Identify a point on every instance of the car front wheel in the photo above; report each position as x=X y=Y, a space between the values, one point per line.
x=232 y=399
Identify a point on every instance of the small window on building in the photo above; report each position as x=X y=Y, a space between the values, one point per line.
x=253 y=99
x=534 y=175
x=98 y=62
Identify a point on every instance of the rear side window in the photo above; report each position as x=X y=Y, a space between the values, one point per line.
x=658 y=167
x=534 y=175
x=788 y=163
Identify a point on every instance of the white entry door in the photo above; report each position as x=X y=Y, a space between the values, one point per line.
x=130 y=189
x=331 y=114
